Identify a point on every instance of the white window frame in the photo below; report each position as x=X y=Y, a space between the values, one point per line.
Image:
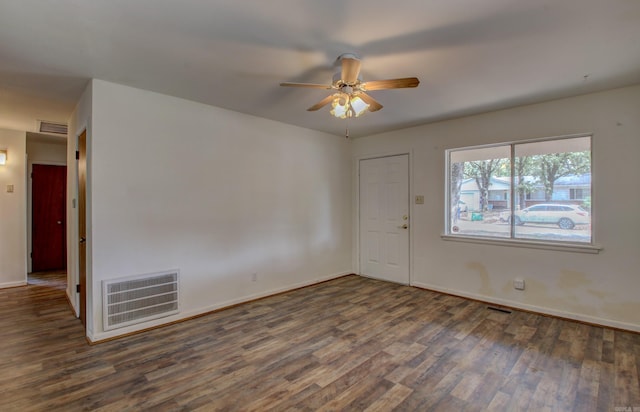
x=580 y=247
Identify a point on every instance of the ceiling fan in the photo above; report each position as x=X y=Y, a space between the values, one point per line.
x=350 y=98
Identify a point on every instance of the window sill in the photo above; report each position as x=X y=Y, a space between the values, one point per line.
x=562 y=247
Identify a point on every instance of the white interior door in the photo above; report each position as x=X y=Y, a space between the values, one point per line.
x=384 y=218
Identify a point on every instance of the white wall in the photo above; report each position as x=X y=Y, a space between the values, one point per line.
x=217 y=194
x=13 y=210
x=602 y=288
x=40 y=151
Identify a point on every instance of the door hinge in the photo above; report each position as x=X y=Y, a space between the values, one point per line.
x=78 y=288
x=77 y=155
x=31 y=254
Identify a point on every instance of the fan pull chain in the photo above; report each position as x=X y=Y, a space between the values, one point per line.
x=346 y=131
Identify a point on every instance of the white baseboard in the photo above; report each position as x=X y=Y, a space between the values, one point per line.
x=101 y=336
x=533 y=308
x=263 y=294
x=12 y=284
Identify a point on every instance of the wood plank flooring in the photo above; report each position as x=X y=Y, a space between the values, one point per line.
x=348 y=344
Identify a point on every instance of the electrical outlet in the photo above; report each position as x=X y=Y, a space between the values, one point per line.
x=254 y=277
x=518 y=284
x=9 y=188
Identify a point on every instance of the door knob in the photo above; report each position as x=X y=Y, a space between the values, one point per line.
x=59 y=222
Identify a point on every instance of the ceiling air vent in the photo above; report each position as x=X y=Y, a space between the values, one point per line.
x=52 y=128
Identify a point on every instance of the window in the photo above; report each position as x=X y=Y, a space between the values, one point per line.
x=537 y=190
x=577 y=194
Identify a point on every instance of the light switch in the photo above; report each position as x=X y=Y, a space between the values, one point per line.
x=9 y=188
x=419 y=199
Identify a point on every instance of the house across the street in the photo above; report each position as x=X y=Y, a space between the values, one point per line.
x=573 y=189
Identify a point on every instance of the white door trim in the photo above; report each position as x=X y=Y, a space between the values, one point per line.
x=356 y=231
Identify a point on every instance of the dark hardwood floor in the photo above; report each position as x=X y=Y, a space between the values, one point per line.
x=348 y=344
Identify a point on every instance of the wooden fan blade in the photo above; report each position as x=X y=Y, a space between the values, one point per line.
x=311 y=85
x=321 y=103
x=374 y=105
x=391 y=84
x=350 y=70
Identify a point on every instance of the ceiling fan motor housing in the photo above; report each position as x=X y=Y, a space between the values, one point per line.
x=338 y=82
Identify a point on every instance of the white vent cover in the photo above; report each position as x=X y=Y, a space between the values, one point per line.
x=136 y=299
x=52 y=127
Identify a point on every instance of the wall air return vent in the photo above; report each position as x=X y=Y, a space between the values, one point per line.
x=132 y=300
x=52 y=128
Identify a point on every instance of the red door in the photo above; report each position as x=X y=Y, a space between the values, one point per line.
x=49 y=230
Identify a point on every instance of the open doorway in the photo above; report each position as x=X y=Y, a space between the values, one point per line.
x=46 y=203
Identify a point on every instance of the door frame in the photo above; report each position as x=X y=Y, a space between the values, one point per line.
x=82 y=274
x=30 y=207
x=356 y=179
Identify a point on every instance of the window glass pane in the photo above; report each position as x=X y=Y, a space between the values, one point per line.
x=550 y=190
x=553 y=189
x=480 y=181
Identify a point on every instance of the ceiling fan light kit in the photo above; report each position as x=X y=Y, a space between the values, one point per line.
x=351 y=99
x=347 y=106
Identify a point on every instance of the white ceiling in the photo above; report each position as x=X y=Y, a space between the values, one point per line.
x=471 y=56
